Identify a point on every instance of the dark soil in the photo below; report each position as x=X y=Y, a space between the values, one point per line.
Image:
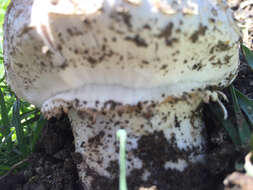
x=52 y=166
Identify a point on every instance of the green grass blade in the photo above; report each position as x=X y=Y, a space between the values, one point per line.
x=236 y=106
x=37 y=131
x=5 y=119
x=227 y=124
x=18 y=127
x=4 y=167
x=2 y=79
x=246 y=105
x=244 y=133
x=251 y=142
x=29 y=113
x=248 y=56
x=31 y=121
x=242 y=124
x=7 y=138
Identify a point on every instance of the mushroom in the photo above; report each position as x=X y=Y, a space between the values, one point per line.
x=146 y=66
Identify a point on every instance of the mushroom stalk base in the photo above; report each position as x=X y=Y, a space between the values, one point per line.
x=165 y=137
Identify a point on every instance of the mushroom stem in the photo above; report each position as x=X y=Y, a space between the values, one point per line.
x=162 y=137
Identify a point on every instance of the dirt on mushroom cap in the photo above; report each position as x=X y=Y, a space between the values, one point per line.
x=118 y=50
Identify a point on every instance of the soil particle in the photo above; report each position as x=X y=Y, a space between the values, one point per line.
x=138 y=40
x=13 y=181
x=200 y=32
x=51 y=167
x=216 y=157
x=157 y=148
x=192 y=179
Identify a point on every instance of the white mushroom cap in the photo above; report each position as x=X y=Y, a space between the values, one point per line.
x=93 y=52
